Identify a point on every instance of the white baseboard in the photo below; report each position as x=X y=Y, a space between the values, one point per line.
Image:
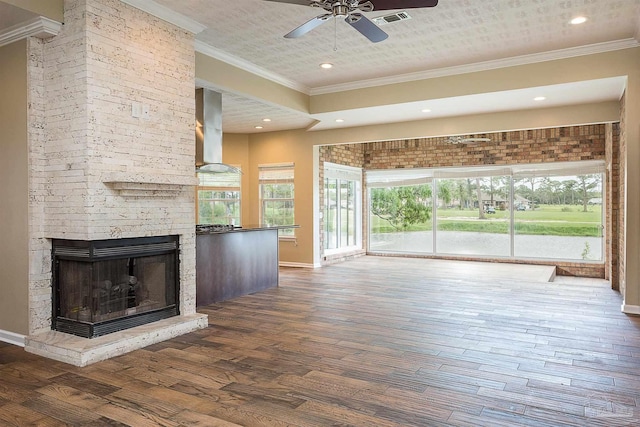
x=12 y=338
x=630 y=309
x=297 y=265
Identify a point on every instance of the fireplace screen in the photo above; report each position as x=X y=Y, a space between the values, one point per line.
x=110 y=285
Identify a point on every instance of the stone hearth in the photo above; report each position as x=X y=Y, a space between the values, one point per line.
x=82 y=351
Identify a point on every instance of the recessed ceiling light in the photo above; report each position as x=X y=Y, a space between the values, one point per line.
x=339 y=120
x=539 y=98
x=326 y=65
x=578 y=20
x=426 y=110
x=258 y=127
x=266 y=120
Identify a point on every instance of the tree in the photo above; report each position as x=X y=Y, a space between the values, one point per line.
x=532 y=195
x=445 y=192
x=586 y=184
x=479 y=196
x=461 y=193
x=402 y=206
x=546 y=191
x=469 y=193
x=205 y=212
x=568 y=190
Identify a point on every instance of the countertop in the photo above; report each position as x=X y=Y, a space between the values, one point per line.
x=250 y=227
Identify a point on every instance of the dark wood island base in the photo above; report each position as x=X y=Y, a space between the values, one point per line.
x=233 y=263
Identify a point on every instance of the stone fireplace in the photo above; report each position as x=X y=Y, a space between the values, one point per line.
x=101 y=174
x=105 y=286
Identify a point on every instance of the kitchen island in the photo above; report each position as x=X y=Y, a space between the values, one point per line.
x=231 y=261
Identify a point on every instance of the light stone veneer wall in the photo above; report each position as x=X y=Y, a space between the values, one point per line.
x=96 y=171
x=39 y=245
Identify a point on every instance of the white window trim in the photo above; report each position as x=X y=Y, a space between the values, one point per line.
x=264 y=167
x=217 y=188
x=347 y=173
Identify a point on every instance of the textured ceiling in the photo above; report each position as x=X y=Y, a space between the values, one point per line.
x=456 y=33
x=453 y=33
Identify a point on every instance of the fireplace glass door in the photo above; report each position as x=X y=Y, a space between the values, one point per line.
x=113 y=285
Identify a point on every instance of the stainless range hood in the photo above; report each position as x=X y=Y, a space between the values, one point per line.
x=209 y=133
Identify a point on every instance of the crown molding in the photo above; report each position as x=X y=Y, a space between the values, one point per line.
x=216 y=53
x=482 y=66
x=167 y=14
x=207 y=49
x=40 y=27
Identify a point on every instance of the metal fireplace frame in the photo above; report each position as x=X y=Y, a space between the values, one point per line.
x=104 y=250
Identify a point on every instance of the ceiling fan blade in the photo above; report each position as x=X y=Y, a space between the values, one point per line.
x=308 y=26
x=402 y=4
x=366 y=27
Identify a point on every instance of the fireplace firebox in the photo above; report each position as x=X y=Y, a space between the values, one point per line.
x=104 y=286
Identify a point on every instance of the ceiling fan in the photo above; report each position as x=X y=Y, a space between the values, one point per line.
x=351 y=10
x=466 y=140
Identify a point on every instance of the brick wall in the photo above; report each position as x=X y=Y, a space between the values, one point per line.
x=612 y=214
x=528 y=146
x=563 y=144
x=87 y=147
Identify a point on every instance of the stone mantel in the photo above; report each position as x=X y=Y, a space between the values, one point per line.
x=148 y=186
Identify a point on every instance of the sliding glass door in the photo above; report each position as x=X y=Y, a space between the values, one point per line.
x=343 y=208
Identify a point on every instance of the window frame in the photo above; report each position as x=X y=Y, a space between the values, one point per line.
x=340 y=174
x=277 y=173
x=219 y=188
x=403 y=177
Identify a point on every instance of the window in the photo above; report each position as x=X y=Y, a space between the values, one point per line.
x=277 y=196
x=343 y=207
x=558 y=211
x=548 y=211
x=476 y=219
x=400 y=211
x=218 y=198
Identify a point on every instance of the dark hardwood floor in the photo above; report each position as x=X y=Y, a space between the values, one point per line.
x=370 y=342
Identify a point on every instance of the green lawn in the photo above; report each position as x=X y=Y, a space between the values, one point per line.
x=559 y=220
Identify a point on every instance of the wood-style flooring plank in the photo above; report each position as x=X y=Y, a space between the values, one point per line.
x=376 y=341
x=16 y=414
